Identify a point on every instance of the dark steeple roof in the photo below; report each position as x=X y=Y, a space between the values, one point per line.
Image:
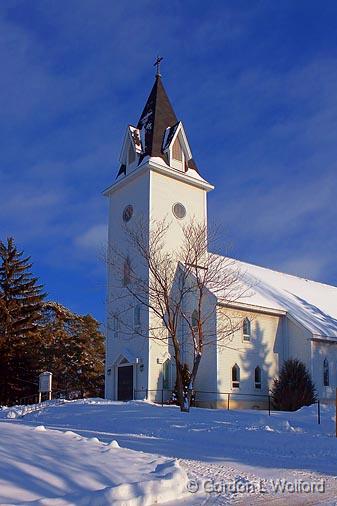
x=155 y=131
x=157 y=116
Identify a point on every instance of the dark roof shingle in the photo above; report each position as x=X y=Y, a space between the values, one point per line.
x=157 y=116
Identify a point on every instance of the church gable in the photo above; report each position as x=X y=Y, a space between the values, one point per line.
x=177 y=149
x=131 y=151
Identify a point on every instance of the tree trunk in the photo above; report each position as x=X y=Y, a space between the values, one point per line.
x=179 y=373
x=180 y=386
x=189 y=395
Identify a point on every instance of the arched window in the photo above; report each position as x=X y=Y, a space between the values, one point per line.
x=257 y=377
x=246 y=329
x=235 y=376
x=115 y=327
x=127 y=272
x=136 y=318
x=326 y=379
x=195 y=320
x=166 y=374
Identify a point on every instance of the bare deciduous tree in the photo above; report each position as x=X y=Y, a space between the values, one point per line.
x=179 y=288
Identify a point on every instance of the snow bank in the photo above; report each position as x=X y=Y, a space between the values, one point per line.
x=39 y=466
x=40 y=428
x=114 y=444
x=19 y=411
x=167 y=483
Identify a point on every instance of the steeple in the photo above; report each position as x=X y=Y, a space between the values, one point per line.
x=157 y=116
x=158 y=134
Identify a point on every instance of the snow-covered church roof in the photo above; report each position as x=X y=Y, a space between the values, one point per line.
x=311 y=303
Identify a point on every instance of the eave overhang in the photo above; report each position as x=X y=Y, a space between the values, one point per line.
x=151 y=164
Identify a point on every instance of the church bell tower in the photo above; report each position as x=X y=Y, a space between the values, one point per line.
x=157 y=179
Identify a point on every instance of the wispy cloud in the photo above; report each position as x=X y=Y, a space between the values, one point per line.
x=94 y=238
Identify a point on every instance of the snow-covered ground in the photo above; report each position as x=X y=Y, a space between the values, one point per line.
x=40 y=466
x=229 y=456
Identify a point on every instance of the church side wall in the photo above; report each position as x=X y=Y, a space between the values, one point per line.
x=320 y=351
x=265 y=350
x=312 y=353
x=299 y=343
x=207 y=380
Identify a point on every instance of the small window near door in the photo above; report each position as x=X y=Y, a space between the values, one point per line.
x=326 y=378
x=127 y=272
x=258 y=378
x=246 y=329
x=166 y=374
x=235 y=376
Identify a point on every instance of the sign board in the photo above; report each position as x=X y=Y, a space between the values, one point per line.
x=45 y=381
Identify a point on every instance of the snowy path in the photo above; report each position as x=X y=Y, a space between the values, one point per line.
x=226 y=447
x=220 y=473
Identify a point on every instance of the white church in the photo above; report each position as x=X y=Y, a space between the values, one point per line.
x=284 y=316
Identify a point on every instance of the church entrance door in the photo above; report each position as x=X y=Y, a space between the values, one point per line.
x=125 y=383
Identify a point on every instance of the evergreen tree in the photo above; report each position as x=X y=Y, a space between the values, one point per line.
x=294 y=388
x=73 y=350
x=186 y=378
x=21 y=299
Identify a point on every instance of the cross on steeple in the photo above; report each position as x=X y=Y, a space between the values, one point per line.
x=157 y=64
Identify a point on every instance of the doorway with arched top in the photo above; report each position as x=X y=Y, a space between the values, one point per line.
x=124 y=380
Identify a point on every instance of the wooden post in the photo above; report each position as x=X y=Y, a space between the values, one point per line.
x=318 y=412
x=228 y=395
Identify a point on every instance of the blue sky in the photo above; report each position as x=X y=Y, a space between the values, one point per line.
x=255 y=83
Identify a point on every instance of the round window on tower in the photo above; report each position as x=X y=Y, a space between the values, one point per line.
x=179 y=211
x=127 y=213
